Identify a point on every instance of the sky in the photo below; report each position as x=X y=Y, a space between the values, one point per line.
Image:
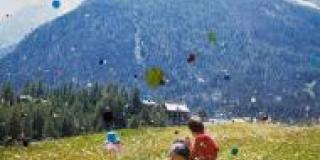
x=19 y=17
x=315 y=4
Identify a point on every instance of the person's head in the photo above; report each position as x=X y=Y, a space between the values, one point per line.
x=179 y=151
x=196 y=126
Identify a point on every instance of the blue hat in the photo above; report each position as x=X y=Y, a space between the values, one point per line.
x=113 y=137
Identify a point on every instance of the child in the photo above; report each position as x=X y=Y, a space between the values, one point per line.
x=179 y=151
x=113 y=142
x=204 y=147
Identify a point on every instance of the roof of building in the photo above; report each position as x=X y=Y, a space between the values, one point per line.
x=25 y=97
x=182 y=107
x=149 y=102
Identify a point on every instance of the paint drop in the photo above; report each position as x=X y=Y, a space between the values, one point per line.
x=191 y=58
x=234 y=151
x=102 y=62
x=314 y=60
x=278 y=98
x=212 y=37
x=89 y=85
x=227 y=77
x=201 y=80
x=56 y=4
x=253 y=100
x=155 y=77
x=72 y=49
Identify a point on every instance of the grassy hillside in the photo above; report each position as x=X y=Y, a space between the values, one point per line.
x=255 y=141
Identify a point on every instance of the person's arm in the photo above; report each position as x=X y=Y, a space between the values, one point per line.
x=216 y=149
x=187 y=140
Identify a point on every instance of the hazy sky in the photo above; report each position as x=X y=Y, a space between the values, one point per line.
x=20 y=17
x=308 y=3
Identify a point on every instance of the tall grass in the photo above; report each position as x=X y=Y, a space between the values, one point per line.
x=255 y=142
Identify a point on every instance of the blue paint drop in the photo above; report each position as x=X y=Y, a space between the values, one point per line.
x=314 y=60
x=191 y=58
x=56 y=4
x=227 y=77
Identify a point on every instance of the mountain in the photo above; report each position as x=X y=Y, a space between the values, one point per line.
x=268 y=50
x=6 y=50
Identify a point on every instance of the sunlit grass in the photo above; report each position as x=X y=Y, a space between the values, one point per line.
x=255 y=142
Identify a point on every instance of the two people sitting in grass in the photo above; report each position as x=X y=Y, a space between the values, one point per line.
x=204 y=147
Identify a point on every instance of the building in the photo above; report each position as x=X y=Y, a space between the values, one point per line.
x=149 y=102
x=178 y=113
x=25 y=98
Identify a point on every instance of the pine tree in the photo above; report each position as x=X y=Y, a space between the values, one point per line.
x=49 y=128
x=38 y=124
x=135 y=103
x=15 y=124
x=7 y=94
x=203 y=115
x=4 y=121
x=67 y=128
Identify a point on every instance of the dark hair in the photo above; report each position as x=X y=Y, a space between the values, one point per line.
x=25 y=142
x=107 y=114
x=196 y=126
x=181 y=148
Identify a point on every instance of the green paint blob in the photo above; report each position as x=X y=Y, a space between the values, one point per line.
x=234 y=151
x=212 y=37
x=154 y=77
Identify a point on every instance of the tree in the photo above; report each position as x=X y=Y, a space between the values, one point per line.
x=134 y=121
x=5 y=113
x=203 y=115
x=159 y=116
x=95 y=93
x=15 y=124
x=135 y=103
x=38 y=124
x=7 y=93
x=67 y=128
x=49 y=128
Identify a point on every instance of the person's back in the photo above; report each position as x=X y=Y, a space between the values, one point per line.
x=204 y=147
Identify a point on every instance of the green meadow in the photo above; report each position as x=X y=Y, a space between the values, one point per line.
x=254 y=141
